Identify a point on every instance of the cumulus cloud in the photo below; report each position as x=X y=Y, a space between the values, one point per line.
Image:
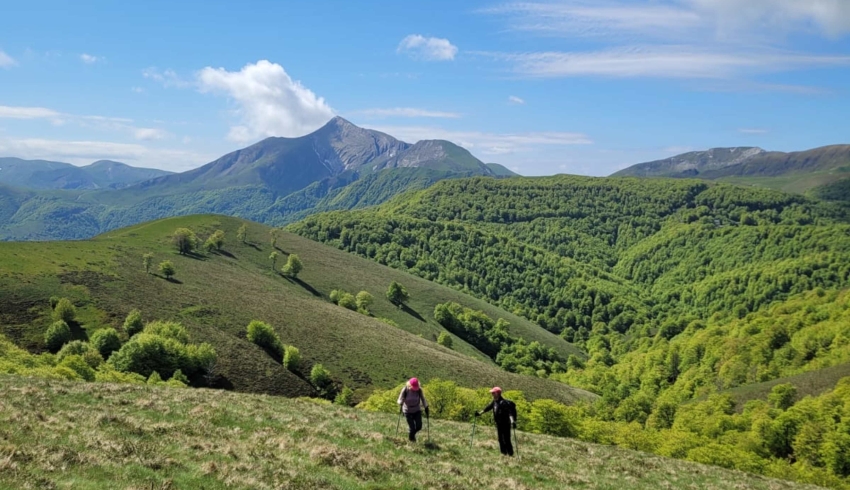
x=269 y=102
x=90 y=59
x=408 y=112
x=427 y=48
x=6 y=61
x=513 y=99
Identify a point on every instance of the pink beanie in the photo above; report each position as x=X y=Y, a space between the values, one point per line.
x=414 y=384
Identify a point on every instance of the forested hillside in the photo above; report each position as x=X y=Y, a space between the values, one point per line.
x=678 y=290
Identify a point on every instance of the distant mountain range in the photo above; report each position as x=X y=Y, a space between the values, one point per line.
x=820 y=172
x=103 y=174
x=275 y=181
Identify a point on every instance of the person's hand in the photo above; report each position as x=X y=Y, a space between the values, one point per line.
x=513 y=424
x=427 y=412
x=477 y=414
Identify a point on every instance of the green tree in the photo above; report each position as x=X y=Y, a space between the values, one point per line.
x=184 y=240
x=133 y=323
x=79 y=365
x=293 y=266
x=397 y=294
x=551 y=417
x=364 y=300
x=335 y=295
x=782 y=396
x=348 y=301
x=166 y=268
x=106 y=341
x=64 y=311
x=273 y=239
x=147 y=262
x=291 y=358
x=215 y=241
x=273 y=257
x=242 y=233
x=57 y=335
x=445 y=340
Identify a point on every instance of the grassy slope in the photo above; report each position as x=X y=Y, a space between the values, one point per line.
x=218 y=295
x=812 y=383
x=87 y=436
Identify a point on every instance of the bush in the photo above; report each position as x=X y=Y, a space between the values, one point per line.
x=147 y=352
x=64 y=311
x=77 y=364
x=782 y=396
x=397 y=294
x=215 y=241
x=321 y=379
x=348 y=301
x=291 y=358
x=264 y=336
x=133 y=324
x=445 y=340
x=345 y=397
x=242 y=234
x=335 y=295
x=82 y=349
x=54 y=300
x=166 y=268
x=106 y=341
x=550 y=417
x=184 y=240
x=155 y=379
x=147 y=262
x=57 y=335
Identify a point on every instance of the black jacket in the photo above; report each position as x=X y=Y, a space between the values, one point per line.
x=503 y=409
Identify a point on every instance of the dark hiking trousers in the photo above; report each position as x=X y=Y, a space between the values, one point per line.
x=504 y=431
x=414 y=423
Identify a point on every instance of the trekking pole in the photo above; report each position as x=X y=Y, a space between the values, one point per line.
x=516 y=437
x=398 y=424
x=428 y=430
x=472 y=437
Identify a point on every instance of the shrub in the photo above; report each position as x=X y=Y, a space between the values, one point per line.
x=348 y=301
x=179 y=376
x=293 y=266
x=364 y=301
x=184 y=240
x=93 y=358
x=77 y=364
x=345 y=397
x=106 y=373
x=215 y=241
x=321 y=379
x=57 y=335
x=291 y=358
x=64 y=311
x=166 y=268
x=106 y=341
x=148 y=352
x=264 y=336
x=389 y=322
x=54 y=300
x=550 y=417
x=397 y=294
x=133 y=324
x=273 y=257
x=82 y=349
x=242 y=234
x=155 y=379
x=168 y=330
x=445 y=340
x=782 y=396
x=335 y=295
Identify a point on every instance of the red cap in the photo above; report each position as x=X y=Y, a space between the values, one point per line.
x=496 y=390
x=414 y=384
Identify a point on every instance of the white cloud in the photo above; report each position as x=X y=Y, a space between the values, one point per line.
x=427 y=48
x=7 y=112
x=753 y=131
x=484 y=143
x=513 y=99
x=84 y=152
x=832 y=17
x=269 y=102
x=168 y=78
x=6 y=61
x=148 y=134
x=137 y=90
x=664 y=62
x=90 y=59
x=408 y=112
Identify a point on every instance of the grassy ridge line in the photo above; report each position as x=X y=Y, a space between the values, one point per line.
x=219 y=294
x=812 y=383
x=91 y=436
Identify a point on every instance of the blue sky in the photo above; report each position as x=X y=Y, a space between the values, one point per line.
x=572 y=86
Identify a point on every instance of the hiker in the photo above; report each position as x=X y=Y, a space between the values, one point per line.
x=412 y=400
x=504 y=414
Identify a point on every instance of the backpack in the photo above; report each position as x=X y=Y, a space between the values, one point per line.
x=405 y=391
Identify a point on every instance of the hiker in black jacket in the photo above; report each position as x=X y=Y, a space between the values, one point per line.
x=504 y=414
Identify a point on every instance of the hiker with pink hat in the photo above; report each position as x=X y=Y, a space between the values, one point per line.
x=504 y=414
x=412 y=402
